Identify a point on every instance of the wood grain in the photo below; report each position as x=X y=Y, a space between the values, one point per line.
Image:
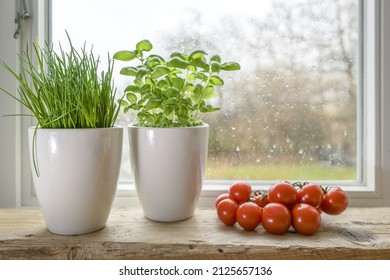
x=359 y=233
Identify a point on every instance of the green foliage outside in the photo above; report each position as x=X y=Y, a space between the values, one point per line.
x=278 y=171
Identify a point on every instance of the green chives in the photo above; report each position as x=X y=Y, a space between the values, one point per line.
x=65 y=89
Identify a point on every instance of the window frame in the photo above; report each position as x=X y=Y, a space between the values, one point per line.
x=376 y=135
x=10 y=187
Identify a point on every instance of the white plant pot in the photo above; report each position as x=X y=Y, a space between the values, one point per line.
x=78 y=176
x=168 y=166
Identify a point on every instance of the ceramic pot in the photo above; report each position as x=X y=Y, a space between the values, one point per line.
x=78 y=176
x=168 y=165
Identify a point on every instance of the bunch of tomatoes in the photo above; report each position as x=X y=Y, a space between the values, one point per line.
x=299 y=205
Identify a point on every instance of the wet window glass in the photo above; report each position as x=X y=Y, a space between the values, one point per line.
x=293 y=110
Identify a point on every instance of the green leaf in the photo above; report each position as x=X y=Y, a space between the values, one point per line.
x=168 y=109
x=202 y=77
x=155 y=56
x=158 y=93
x=208 y=109
x=208 y=92
x=192 y=69
x=145 y=116
x=141 y=72
x=200 y=62
x=153 y=62
x=163 y=84
x=178 y=63
x=196 y=94
x=170 y=101
x=191 y=77
x=195 y=98
x=126 y=109
x=123 y=103
x=197 y=54
x=132 y=88
x=216 y=81
x=145 y=89
x=144 y=45
x=198 y=89
x=176 y=71
x=152 y=104
x=189 y=88
x=172 y=92
x=128 y=71
x=183 y=111
x=216 y=58
x=179 y=55
x=230 y=66
x=159 y=71
x=125 y=55
x=138 y=82
x=131 y=97
x=178 y=82
x=149 y=81
x=215 y=66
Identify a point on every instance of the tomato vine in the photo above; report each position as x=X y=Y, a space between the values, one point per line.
x=285 y=205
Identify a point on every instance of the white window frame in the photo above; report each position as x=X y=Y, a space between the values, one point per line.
x=373 y=191
x=9 y=147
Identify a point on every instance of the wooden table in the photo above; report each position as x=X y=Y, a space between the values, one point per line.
x=358 y=233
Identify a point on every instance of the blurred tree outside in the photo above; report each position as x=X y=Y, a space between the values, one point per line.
x=294 y=103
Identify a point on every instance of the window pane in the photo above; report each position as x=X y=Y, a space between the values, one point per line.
x=290 y=113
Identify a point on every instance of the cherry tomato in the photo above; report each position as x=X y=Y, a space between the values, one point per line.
x=276 y=218
x=261 y=200
x=240 y=192
x=220 y=198
x=311 y=194
x=284 y=193
x=305 y=219
x=248 y=215
x=335 y=201
x=226 y=211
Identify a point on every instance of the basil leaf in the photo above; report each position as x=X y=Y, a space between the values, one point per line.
x=230 y=66
x=144 y=45
x=125 y=55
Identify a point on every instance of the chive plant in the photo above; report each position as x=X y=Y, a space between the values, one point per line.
x=65 y=89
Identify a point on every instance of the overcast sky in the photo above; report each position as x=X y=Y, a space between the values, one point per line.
x=118 y=24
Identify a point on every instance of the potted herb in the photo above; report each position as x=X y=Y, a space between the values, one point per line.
x=169 y=140
x=75 y=148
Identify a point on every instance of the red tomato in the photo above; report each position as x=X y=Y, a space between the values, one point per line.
x=248 y=215
x=276 y=218
x=335 y=201
x=261 y=200
x=284 y=193
x=226 y=211
x=311 y=194
x=305 y=219
x=220 y=198
x=240 y=192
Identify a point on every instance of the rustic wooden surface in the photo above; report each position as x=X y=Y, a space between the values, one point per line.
x=359 y=233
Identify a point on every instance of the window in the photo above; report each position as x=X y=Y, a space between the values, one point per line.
x=291 y=113
x=303 y=107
